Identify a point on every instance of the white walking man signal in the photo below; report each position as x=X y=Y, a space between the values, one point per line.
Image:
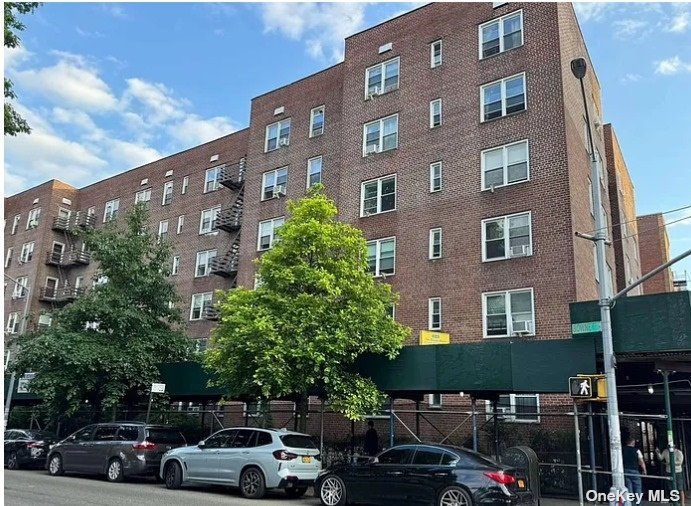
x=584 y=387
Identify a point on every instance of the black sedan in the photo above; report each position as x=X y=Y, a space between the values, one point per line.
x=423 y=474
x=27 y=448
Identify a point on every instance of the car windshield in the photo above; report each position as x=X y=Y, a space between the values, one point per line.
x=165 y=436
x=297 y=441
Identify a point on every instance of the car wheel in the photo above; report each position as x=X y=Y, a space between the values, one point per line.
x=114 y=471
x=454 y=496
x=252 y=484
x=173 y=475
x=294 y=493
x=332 y=491
x=55 y=465
x=13 y=461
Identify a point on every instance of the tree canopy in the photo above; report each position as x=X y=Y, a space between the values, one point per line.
x=316 y=309
x=105 y=346
x=14 y=123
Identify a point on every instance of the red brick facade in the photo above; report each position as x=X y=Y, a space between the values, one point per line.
x=654 y=249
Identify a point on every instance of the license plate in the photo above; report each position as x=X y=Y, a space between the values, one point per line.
x=521 y=484
x=306 y=460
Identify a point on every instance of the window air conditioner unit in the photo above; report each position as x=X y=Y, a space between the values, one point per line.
x=519 y=251
x=522 y=328
x=371 y=149
x=279 y=191
x=374 y=93
x=283 y=142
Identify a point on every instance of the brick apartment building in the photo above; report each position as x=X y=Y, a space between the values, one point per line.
x=654 y=251
x=453 y=136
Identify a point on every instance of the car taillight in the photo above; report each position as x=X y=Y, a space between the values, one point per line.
x=144 y=445
x=284 y=455
x=504 y=479
x=35 y=444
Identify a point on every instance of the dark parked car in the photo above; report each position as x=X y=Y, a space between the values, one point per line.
x=423 y=474
x=116 y=449
x=27 y=448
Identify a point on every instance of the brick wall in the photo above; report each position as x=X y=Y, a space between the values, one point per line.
x=653 y=244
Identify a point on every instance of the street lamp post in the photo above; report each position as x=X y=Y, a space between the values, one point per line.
x=22 y=330
x=579 y=67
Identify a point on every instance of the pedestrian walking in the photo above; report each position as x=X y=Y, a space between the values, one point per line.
x=664 y=456
x=633 y=465
x=371 y=440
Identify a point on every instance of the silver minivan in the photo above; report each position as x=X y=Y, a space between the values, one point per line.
x=254 y=460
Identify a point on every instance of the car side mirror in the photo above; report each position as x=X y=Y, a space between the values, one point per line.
x=201 y=444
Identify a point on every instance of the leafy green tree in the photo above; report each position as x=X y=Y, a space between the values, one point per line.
x=14 y=123
x=316 y=310
x=104 y=347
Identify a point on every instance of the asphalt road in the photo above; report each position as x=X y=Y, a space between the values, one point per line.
x=38 y=488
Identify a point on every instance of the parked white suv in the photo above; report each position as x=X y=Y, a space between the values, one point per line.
x=252 y=459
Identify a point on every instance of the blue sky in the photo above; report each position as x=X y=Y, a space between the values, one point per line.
x=109 y=86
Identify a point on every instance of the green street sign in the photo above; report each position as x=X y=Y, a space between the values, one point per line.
x=586 y=328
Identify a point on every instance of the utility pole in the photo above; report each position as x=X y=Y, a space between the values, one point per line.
x=22 y=330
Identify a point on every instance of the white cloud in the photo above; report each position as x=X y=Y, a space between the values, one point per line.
x=672 y=66
x=156 y=98
x=679 y=23
x=13 y=183
x=628 y=28
x=587 y=11
x=126 y=155
x=194 y=130
x=115 y=10
x=630 y=78
x=15 y=56
x=73 y=117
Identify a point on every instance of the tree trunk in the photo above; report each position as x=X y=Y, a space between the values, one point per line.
x=301 y=412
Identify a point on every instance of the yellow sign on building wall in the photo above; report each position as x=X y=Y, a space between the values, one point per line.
x=432 y=337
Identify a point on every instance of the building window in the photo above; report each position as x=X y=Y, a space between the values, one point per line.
x=200 y=301
x=142 y=196
x=435 y=113
x=501 y=34
x=378 y=196
x=435 y=243
x=434 y=400
x=380 y=135
x=381 y=256
x=314 y=171
x=163 y=230
x=176 y=266
x=91 y=211
x=317 y=121
x=79 y=280
x=185 y=184
x=27 y=252
x=34 y=216
x=507 y=237
x=434 y=313
x=167 y=193
x=111 y=210
x=12 y=323
x=435 y=176
x=15 y=223
x=382 y=78
x=516 y=408
x=277 y=135
x=207 y=223
x=435 y=53
x=8 y=257
x=203 y=260
x=20 y=287
x=211 y=179
x=274 y=183
x=267 y=233
x=509 y=313
x=505 y=165
x=503 y=97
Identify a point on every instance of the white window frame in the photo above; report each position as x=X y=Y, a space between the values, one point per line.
x=11 y=327
x=381 y=86
x=78 y=281
x=377 y=255
x=211 y=185
x=432 y=311
x=503 y=96
x=167 y=193
x=162 y=230
x=33 y=219
x=507 y=238
x=500 y=20
x=432 y=105
x=379 y=182
x=309 y=169
x=507 y=308
x=272 y=237
x=110 y=211
x=505 y=164
x=511 y=415
x=279 y=125
x=435 y=400
x=15 y=223
x=21 y=287
x=432 y=62
x=181 y=223
x=432 y=236
x=204 y=260
x=57 y=286
x=142 y=196
x=276 y=191
x=432 y=168
x=313 y=114
x=200 y=297
x=27 y=251
x=8 y=257
x=175 y=269
x=380 y=144
x=185 y=185
x=214 y=216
